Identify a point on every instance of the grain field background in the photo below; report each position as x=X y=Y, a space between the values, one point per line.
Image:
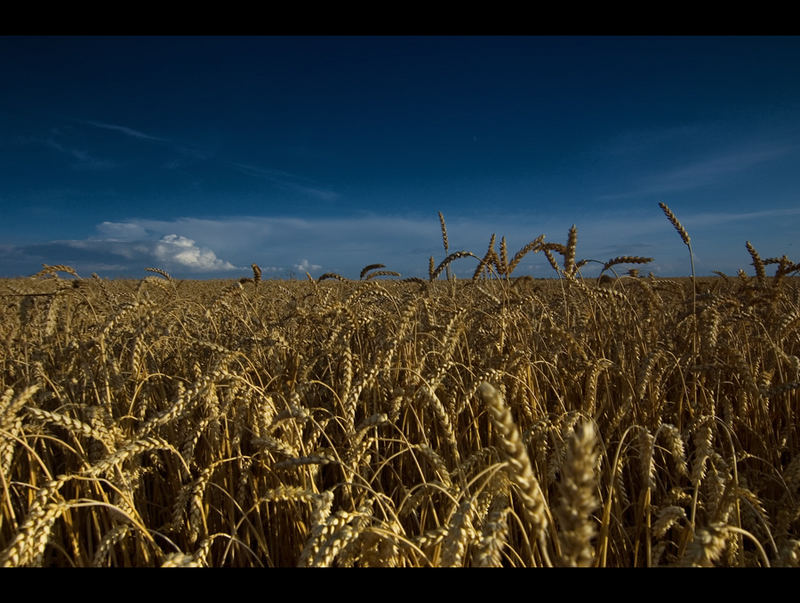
x=619 y=421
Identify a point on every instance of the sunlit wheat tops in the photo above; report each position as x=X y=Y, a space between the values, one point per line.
x=163 y=273
x=445 y=242
x=444 y=234
x=569 y=256
x=675 y=222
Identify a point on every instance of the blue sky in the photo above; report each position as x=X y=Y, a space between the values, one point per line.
x=202 y=155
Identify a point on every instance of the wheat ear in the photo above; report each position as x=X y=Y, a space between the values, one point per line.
x=366 y=269
x=758 y=264
x=448 y=260
x=578 y=488
x=569 y=256
x=520 y=469
x=445 y=242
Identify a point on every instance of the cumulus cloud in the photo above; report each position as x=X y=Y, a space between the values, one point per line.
x=177 y=249
x=305 y=266
x=123 y=249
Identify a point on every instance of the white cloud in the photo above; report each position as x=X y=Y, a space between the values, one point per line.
x=305 y=266
x=142 y=246
x=177 y=249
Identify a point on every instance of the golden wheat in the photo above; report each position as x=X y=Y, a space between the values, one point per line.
x=155 y=422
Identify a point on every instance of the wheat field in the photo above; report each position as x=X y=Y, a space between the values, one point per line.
x=620 y=421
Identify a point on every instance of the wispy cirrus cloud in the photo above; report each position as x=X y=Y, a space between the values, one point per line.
x=63 y=140
x=123 y=130
x=287 y=181
x=704 y=171
x=719 y=218
x=181 y=156
x=643 y=141
x=83 y=160
x=708 y=170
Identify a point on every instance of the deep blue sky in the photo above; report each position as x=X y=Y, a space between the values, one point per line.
x=202 y=155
